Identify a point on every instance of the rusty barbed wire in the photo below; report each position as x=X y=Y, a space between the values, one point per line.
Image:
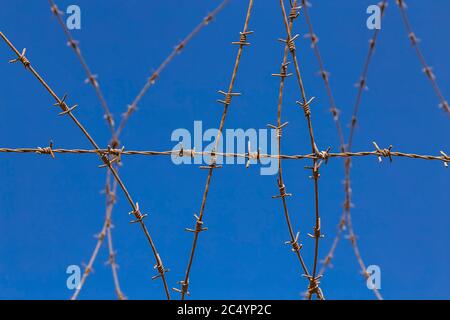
x=155 y=75
x=111 y=197
x=345 y=219
x=425 y=67
x=213 y=165
x=325 y=75
x=347 y=183
x=66 y=110
x=323 y=155
x=294 y=237
x=313 y=288
x=92 y=79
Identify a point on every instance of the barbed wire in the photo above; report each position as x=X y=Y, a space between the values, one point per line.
x=115 y=134
x=112 y=156
x=92 y=79
x=345 y=219
x=294 y=237
x=199 y=227
x=313 y=287
x=107 y=162
x=325 y=75
x=155 y=75
x=425 y=67
x=322 y=155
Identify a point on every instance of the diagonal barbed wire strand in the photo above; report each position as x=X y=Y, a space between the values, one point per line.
x=92 y=79
x=226 y=102
x=346 y=219
x=115 y=135
x=347 y=182
x=425 y=67
x=176 y=50
x=325 y=75
x=361 y=87
x=66 y=110
x=110 y=199
x=313 y=287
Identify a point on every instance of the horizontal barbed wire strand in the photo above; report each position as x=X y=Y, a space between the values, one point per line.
x=294 y=237
x=66 y=110
x=177 y=49
x=313 y=287
x=425 y=67
x=252 y=156
x=92 y=79
x=226 y=102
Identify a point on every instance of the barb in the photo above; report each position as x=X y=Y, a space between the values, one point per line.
x=91 y=78
x=176 y=50
x=425 y=67
x=228 y=98
x=294 y=238
x=104 y=158
x=305 y=104
x=325 y=75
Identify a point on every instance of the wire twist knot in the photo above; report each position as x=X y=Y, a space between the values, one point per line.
x=383 y=152
x=22 y=59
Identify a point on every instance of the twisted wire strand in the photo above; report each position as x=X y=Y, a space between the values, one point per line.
x=444 y=158
x=323 y=73
x=176 y=50
x=92 y=79
x=346 y=220
x=66 y=110
x=313 y=287
x=107 y=225
x=199 y=219
x=425 y=67
x=294 y=237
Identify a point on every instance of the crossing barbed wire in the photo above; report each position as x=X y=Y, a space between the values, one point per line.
x=109 y=194
x=92 y=79
x=199 y=227
x=107 y=162
x=294 y=237
x=313 y=287
x=111 y=156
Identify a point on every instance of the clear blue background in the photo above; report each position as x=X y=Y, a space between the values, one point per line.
x=50 y=209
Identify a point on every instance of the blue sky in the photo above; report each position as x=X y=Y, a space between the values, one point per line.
x=50 y=209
